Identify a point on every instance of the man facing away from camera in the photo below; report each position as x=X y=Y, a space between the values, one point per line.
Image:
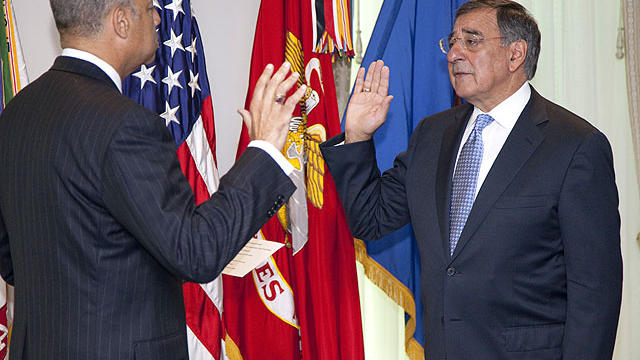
x=512 y=200
x=98 y=225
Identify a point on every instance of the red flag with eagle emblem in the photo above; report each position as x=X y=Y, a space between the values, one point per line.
x=303 y=301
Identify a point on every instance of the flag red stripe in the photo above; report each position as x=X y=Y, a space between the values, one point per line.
x=201 y=313
x=190 y=170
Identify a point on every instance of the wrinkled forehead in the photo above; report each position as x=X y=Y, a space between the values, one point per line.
x=481 y=22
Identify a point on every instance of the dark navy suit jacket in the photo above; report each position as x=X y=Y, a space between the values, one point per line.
x=537 y=272
x=98 y=226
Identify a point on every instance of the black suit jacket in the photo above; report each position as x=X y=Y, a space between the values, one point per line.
x=98 y=226
x=537 y=271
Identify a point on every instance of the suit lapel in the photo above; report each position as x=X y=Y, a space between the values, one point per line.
x=520 y=144
x=448 y=151
x=82 y=67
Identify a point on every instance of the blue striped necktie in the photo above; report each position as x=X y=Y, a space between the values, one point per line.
x=465 y=180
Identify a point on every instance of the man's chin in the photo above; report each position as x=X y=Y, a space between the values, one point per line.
x=461 y=91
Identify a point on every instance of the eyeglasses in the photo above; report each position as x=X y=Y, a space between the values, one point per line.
x=470 y=42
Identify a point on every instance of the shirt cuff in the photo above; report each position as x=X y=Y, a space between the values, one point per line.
x=275 y=154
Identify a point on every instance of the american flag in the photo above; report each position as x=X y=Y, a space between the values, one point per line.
x=176 y=86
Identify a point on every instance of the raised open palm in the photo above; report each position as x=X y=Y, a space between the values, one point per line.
x=369 y=104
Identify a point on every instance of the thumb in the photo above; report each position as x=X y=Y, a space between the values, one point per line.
x=246 y=117
x=387 y=102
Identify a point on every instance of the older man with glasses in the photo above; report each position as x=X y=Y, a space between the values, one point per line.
x=512 y=199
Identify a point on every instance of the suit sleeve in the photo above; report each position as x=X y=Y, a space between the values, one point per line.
x=146 y=191
x=375 y=204
x=6 y=264
x=590 y=228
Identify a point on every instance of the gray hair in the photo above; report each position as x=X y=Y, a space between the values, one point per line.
x=515 y=23
x=83 y=17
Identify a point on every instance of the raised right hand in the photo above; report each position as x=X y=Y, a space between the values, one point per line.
x=269 y=113
x=369 y=104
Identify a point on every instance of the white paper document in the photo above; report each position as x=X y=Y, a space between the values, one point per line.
x=254 y=253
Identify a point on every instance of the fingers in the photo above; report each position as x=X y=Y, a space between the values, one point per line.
x=258 y=90
x=284 y=86
x=383 y=87
x=279 y=118
x=294 y=99
x=359 y=81
x=375 y=82
x=274 y=83
x=369 y=78
x=270 y=110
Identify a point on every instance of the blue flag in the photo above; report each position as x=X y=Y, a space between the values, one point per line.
x=406 y=37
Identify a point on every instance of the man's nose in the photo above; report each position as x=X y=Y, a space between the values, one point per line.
x=456 y=52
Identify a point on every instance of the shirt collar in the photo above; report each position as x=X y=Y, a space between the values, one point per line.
x=103 y=65
x=507 y=112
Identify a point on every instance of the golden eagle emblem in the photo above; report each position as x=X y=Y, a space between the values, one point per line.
x=302 y=149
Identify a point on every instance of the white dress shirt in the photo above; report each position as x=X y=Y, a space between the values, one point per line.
x=267 y=147
x=495 y=134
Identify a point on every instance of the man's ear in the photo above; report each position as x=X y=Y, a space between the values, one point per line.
x=121 y=21
x=518 y=52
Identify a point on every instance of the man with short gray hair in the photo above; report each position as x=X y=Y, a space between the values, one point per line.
x=83 y=17
x=98 y=225
x=512 y=199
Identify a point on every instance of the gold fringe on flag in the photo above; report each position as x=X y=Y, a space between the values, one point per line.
x=397 y=291
x=231 y=349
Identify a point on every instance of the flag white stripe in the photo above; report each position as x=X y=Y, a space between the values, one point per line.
x=214 y=292
x=203 y=157
x=196 y=349
x=223 y=352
